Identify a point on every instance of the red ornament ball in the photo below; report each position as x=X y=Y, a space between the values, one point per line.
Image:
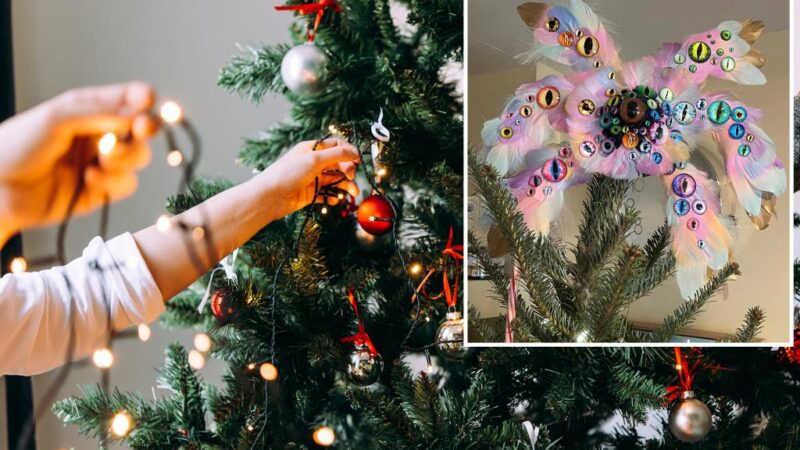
x=376 y=215
x=219 y=307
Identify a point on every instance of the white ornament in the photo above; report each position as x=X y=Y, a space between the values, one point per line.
x=301 y=68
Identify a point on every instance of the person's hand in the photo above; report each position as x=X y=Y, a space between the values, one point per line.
x=290 y=180
x=49 y=148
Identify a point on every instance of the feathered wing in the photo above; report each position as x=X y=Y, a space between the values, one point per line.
x=570 y=35
x=701 y=235
x=530 y=120
x=539 y=189
x=724 y=52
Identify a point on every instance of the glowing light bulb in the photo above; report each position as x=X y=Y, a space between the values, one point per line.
x=144 y=332
x=121 y=424
x=196 y=360
x=250 y=427
x=202 y=342
x=103 y=358
x=324 y=210
x=382 y=172
x=678 y=367
x=18 y=265
x=174 y=158
x=268 y=371
x=324 y=436
x=164 y=223
x=340 y=196
x=415 y=268
x=171 y=112
x=107 y=143
x=198 y=233
x=251 y=366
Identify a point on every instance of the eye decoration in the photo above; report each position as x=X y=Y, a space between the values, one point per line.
x=699 y=207
x=554 y=170
x=681 y=207
x=525 y=111
x=552 y=24
x=506 y=132
x=744 y=150
x=701 y=244
x=699 y=52
x=610 y=92
x=736 y=131
x=630 y=140
x=684 y=113
x=588 y=46
x=719 y=112
x=587 y=148
x=531 y=192
x=739 y=114
x=565 y=152
x=535 y=181
x=693 y=224
x=566 y=39
x=683 y=185
x=632 y=110
x=548 y=97
x=586 y=107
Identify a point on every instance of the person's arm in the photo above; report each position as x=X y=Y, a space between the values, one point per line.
x=234 y=216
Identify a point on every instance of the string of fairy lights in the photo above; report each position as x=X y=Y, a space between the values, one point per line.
x=171 y=118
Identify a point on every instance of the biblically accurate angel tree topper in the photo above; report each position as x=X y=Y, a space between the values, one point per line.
x=631 y=119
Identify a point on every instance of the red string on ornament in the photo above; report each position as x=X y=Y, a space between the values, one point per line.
x=687 y=372
x=360 y=338
x=451 y=295
x=311 y=8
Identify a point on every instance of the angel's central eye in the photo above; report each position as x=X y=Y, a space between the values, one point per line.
x=632 y=110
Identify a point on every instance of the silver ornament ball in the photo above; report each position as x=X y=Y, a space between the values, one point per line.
x=363 y=368
x=301 y=68
x=690 y=419
x=450 y=337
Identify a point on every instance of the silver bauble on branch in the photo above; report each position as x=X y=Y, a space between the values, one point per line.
x=363 y=368
x=450 y=337
x=302 y=68
x=690 y=419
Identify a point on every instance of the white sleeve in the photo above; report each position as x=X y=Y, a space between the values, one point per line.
x=35 y=307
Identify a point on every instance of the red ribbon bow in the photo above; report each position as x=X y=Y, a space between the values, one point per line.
x=686 y=373
x=360 y=338
x=311 y=8
x=451 y=295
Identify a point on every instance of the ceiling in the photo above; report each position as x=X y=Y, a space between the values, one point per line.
x=496 y=34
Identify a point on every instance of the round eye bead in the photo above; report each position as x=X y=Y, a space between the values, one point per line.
x=645 y=146
x=605 y=121
x=535 y=181
x=679 y=59
x=597 y=64
x=681 y=207
x=719 y=112
x=701 y=243
x=566 y=39
x=547 y=190
x=683 y=185
x=692 y=68
x=552 y=24
x=727 y=64
x=684 y=113
x=607 y=147
x=525 y=111
x=586 y=107
x=693 y=224
x=699 y=52
x=699 y=207
x=531 y=191
x=632 y=110
x=579 y=34
x=633 y=156
x=506 y=132
x=610 y=92
x=666 y=94
x=554 y=170
x=587 y=46
x=548 y=97
x=630 y=140
x=657 y=158
x=681 y=164
x=739 y=114
x=750 y=138
x=614 y=101
x=725 y=35
x=736 y=131
x=744 y=150
x=587 y=148
x=701 y=104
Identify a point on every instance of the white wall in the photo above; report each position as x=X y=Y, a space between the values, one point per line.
x=178 y=46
